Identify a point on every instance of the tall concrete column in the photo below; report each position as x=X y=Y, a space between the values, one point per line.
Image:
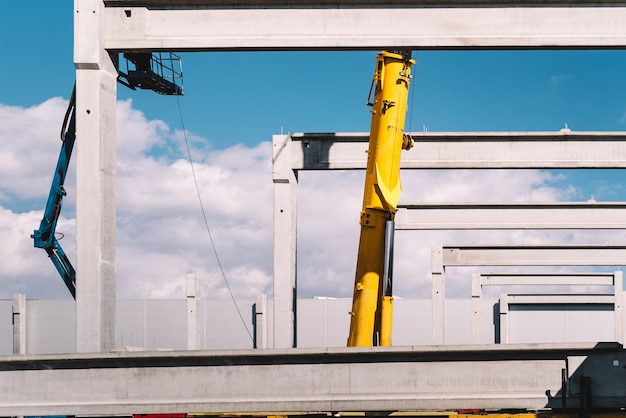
x=193 y=335
x=19 y=323
x=96 y=93
x=438 y=296
x=285 y=187
x=477 y=318
x=618 y=283
x=260 y=322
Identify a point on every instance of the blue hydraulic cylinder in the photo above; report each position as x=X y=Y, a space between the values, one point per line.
x=44 y=237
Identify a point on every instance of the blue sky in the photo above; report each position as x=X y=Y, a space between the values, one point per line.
x=227 y=93
x=234 y=103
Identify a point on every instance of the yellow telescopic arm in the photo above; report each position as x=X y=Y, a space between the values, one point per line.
x=371 y=314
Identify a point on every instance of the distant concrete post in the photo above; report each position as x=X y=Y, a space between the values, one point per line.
x=618 y=305
x=477 y=291
x=19 y=323
x=285 y=185
x=504 y=318
x=192 y=313
x=438 y=296
x=260 y=322
x=96 y=91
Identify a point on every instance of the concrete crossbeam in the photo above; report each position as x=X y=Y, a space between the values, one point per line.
x=454 y=26
x=559 y=299
x=557 y=215
x=474 y=150
x=541 y=279
x=556 y=255
x=347 y=3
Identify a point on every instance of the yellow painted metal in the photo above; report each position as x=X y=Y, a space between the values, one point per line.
x=371 y=314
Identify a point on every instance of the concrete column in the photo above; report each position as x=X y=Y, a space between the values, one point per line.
x=438 y=296
x=504 y=318
x=260 y=322
x=193 y=336
x=95 y=180
x=19 y=323
x=618 y=288
x=477 y=291
x=285 y=187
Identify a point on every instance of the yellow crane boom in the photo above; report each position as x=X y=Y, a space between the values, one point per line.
x=372 y=303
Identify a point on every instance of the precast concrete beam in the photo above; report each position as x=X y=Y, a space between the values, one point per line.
x=544 y=279
x=474 y=216
x=183 y=26
x=473 y=150
x=348 y=3
x=548 y=255
x=527 y=377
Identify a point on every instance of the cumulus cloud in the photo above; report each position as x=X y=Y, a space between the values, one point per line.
x=162 y=235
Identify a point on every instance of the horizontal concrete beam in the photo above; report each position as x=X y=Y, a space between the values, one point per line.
x=454 y=25
x=316 y=381
x=506 y=255
x=538 y=279
x=556 y=215
x=560 y=299
x=473 y=150
x=346 y=3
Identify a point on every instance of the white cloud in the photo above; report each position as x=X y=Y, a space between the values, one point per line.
x=162 y=236
x=25 y=269
x=30 y=147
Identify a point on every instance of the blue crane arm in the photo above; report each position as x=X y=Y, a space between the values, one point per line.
x=44 y=237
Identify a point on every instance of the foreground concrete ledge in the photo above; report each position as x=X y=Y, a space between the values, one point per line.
x=175 y=358
x=523 y=377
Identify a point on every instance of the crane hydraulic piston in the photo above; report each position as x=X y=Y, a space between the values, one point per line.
x=45 y=236
x=371 y=315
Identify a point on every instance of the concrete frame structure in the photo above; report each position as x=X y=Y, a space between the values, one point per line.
x=564 y=149
x=104 y=28
x=507 y=299
x=341 y=380
x=513 y=256
x=479 y=280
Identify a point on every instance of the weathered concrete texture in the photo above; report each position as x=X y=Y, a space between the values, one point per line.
x=380 y=25
x=347 y=3
x=331 y=380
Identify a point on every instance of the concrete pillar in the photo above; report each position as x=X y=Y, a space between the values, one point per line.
x=504 y=318
x=19 y=323
x=193 y=335
x=618 y=289
x=260 y=322
x=477 y=291
x=285 y=187
x=96 y=92
x=438 y=296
